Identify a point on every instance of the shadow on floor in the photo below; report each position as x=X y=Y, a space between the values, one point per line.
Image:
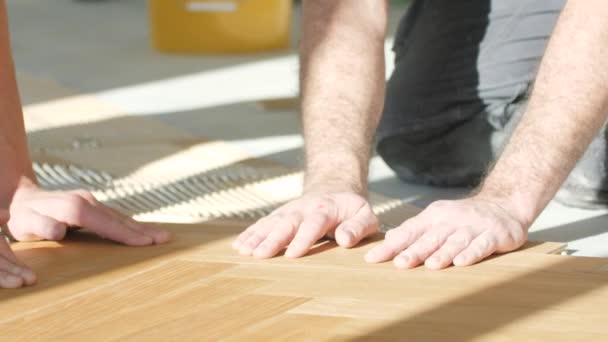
x=573 y=231
x=483 y=312
x=83 y=255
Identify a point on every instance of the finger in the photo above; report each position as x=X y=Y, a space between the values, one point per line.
x=398 y=239
x=10 y=281
x=238 y=242
x=279 y=237
x=9 y=266
x=158 y=235
x=38 y=226
x=480 y=248
x=420 y=250
x=444 y=256
x=259 y=233
x=6 y=252
x=312 y=229
x=363 y=224
x=262 y=223
x=26 y=275
x=247 y=233
x=76 y=211
x=112 y=228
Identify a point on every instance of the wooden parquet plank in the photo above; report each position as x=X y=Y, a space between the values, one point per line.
x=220 y=322
x=291 y=327
x=168 y=292
x=197 y=288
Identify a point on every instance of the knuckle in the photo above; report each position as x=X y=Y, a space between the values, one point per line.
x=254 y=240
x=74 y=205
x=512 y=240
x=461 y=239
x=433 y=239
x=485 y=244
x=518 y=235
x=504 y=237
x=290 y=229
x=269 y=242
x=367 y=208
x=322 y=217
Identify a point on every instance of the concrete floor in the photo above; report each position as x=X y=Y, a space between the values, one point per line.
x=67 y=47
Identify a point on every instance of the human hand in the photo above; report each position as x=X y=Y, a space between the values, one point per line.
x=461 y=232
x=299 y=224
x=43 y=215
x=13 y=274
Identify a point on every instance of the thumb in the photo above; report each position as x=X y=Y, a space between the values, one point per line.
x=363 y=224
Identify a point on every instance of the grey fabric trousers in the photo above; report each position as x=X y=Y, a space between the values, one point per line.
x=463 y=73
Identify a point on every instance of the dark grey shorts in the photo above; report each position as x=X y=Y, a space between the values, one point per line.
x=463 y=71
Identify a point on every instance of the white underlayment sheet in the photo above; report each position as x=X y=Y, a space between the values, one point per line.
x=234 y=192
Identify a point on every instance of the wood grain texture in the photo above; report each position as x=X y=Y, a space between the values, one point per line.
x=196 y=288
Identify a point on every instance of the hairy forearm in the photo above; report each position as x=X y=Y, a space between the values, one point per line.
x=567 y=107
x=342 y=85
x=15 y=165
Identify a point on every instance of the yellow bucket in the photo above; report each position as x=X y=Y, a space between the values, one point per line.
x=220 y=26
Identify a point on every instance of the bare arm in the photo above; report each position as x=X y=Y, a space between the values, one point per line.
x=568 y=105
x=16 y=165
x=36 y=214
x=342 y=83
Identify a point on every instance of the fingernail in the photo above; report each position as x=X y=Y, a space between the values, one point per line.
x=12 y=280
x=28 y=275
x=290 y=252
x=346 y=237
x=402 y=261
x=375 y=254
x=432 y=262
x=459 y=260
